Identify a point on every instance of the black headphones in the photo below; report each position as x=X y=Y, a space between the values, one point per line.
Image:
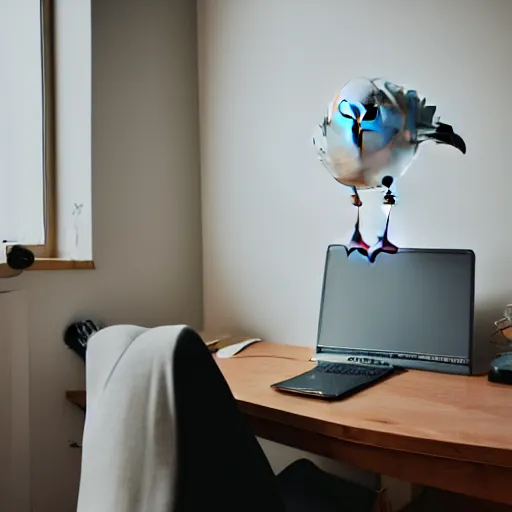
x=20 y=258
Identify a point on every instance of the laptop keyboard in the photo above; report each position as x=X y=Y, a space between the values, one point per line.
x=352 y=369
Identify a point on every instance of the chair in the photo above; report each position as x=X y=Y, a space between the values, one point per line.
x=163 y=433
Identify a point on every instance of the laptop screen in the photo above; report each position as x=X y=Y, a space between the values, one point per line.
x=413 y=305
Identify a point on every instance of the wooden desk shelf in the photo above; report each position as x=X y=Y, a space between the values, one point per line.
x=77 y=398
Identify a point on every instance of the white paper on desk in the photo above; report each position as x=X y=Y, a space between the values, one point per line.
x=232 y=350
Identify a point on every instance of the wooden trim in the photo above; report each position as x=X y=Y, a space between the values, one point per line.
x=50 y=196
x=57 y=264
x=49 y=248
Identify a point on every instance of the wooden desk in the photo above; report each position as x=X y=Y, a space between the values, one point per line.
x=445 y=431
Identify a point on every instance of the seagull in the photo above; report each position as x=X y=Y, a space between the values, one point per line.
x=370 y=136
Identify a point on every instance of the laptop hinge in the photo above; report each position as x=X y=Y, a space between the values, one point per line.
x=345 y=358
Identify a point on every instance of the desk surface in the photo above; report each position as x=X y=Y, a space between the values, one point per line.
x=453 y=416
x=448 y=431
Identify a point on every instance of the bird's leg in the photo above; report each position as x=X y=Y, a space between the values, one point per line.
x=357 y=243
x=383 y=244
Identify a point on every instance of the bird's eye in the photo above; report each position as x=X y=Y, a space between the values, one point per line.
x=371 y=112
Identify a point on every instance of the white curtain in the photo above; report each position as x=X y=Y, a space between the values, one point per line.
x=21 y=123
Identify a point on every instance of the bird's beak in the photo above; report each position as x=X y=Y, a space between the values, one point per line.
x=444 y=134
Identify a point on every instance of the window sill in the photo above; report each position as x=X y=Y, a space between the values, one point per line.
x=59 y=264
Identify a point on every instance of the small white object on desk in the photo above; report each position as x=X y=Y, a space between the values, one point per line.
x=232 y=350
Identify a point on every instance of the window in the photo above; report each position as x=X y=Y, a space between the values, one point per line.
x=27 y=170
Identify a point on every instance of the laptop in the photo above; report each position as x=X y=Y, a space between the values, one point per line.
x=413 y=309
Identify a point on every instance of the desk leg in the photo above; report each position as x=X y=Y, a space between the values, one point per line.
x=400 y=493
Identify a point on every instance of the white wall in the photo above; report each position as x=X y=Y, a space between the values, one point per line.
x=73 y=127
x=268 y=68
x=14 y=403
x=146 y=219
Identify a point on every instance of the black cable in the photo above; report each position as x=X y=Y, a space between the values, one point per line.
x=272 y=357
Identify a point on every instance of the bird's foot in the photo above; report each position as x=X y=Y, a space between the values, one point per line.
x=357 y=243
x=389 y=198
x=356 y=200
x=382 y=245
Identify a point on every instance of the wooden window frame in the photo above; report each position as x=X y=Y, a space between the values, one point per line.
x=47 y=255
x=49 y=248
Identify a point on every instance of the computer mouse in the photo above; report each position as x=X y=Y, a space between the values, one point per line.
x=232 y=350
x=501 y=369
